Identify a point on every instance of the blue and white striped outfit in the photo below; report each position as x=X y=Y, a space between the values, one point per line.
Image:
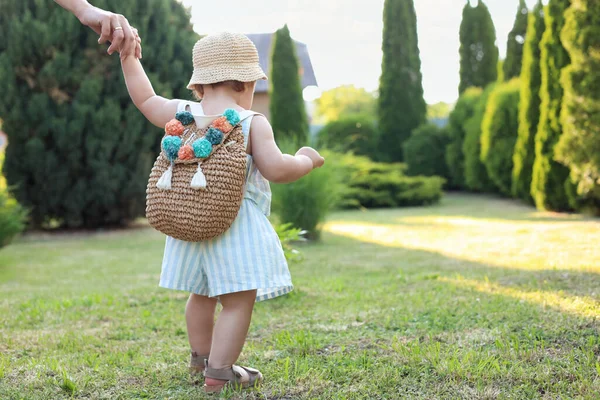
x=248 y=256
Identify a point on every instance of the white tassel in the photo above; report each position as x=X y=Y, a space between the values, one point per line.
x=165 y=180
x=199 y=180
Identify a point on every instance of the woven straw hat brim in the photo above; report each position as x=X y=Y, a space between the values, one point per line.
x=216 y=74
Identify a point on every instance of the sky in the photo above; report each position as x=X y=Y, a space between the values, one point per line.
x=344 y=36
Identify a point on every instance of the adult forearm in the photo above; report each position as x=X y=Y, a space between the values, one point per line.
x=74 y=6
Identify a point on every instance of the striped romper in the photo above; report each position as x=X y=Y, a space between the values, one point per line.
x=248 y=256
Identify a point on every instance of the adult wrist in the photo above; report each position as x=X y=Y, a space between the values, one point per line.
x=80 y=8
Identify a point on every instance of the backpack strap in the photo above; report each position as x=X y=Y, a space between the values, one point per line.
x=246 y=120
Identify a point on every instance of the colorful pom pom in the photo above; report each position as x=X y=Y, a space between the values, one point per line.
x=223 y=125
x=174 y=128
x=232 y=116
x=202 y=148
x=214 y=136
x=171 y=145
x=185 y=117
x=186 y=153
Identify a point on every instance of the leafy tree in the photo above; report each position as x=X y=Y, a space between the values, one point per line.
x=79 y=152
x=344 y=101
x=439 y=110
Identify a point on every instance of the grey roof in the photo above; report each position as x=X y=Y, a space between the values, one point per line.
x=263 y=42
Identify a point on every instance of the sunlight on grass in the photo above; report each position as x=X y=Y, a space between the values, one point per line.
x=387 y=305
x=514 y=244
x=584 y=306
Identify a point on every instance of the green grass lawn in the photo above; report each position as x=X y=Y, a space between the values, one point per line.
x=475 y=298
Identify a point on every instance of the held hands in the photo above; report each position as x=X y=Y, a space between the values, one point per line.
x=314 y=156
x=113 y=28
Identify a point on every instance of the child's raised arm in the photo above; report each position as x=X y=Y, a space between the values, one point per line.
x=272 y=164
x=156 y=109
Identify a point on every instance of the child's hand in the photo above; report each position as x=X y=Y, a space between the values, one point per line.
x=314 y=155
x=138 y=45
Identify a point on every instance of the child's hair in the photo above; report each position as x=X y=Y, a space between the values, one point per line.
x=237 y=86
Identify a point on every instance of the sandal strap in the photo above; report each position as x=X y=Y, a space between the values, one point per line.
x=235 y=374
x=198 y=361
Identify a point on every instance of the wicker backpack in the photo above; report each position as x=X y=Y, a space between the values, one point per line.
x=196 y=186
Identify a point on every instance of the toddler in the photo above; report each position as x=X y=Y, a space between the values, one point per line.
x=245 y=264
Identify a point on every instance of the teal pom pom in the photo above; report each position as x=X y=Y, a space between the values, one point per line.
x=232 y=116
x=202 y=148
x=185 y=117
x=171 y=145
x=214 y=136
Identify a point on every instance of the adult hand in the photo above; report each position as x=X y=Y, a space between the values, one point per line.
x=111 y=27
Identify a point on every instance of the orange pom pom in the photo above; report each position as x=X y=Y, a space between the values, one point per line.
x=174 y=128
x=186 y=153
x=223 y=125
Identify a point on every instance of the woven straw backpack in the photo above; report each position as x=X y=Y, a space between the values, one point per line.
x=196 y=186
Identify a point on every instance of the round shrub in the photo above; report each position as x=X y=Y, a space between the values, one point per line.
x=499 y=133
x=306 y=202
x=352 y=133
x=424 y=151
x=372 y=184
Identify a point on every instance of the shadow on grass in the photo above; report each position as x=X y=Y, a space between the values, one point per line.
x=477 y=207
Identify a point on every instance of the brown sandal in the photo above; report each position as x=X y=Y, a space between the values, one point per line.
x=197 y=365
x=236 y=377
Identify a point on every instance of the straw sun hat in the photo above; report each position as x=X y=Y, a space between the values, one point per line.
x=225 y=57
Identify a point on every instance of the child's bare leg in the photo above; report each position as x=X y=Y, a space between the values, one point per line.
x=231 y=330
x=200 y=318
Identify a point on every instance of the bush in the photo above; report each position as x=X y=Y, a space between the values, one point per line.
x=12 y=216
x=306 y=202
x=287 y=235
x=476 y=176
x=379 y=185
x=455 y=158
x=80 y=151
x=425 y=150
x=499 y=132
x=351 y=133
